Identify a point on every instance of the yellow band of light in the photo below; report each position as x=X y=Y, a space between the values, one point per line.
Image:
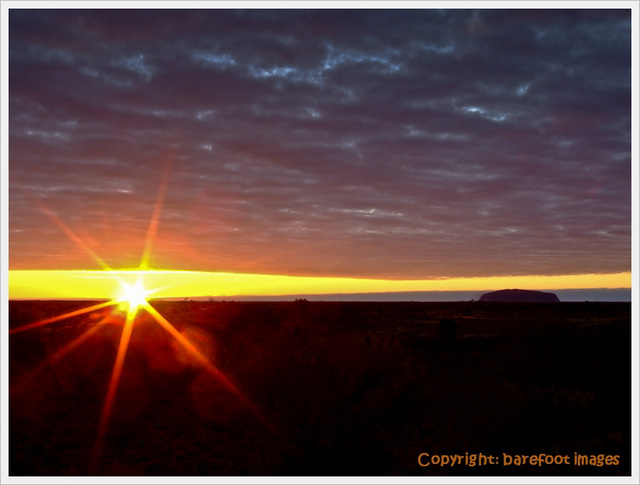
x=35 y=284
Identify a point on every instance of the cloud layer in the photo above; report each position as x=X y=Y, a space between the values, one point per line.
x=374 y=143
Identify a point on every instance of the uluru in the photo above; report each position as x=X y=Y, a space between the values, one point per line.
x=515 y=295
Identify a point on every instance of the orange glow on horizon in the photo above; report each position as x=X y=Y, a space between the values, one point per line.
x=34 y=284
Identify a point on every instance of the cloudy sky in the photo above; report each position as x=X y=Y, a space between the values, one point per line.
x=367 y=143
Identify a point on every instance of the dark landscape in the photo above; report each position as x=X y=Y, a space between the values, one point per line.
x=336 y=388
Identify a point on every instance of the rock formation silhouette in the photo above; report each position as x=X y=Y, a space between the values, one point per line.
x=517 y=295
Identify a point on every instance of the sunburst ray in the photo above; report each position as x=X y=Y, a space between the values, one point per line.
x=155 y=218
x=75 y=238
x=114 y=382
x=64 y=316
x=23 y=381
x=211 y=369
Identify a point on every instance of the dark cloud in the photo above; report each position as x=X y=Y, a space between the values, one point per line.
x=379 y=143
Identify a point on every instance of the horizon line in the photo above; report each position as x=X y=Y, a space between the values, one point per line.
x=98 y=284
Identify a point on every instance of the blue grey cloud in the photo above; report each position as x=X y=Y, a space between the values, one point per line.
x=386 y=143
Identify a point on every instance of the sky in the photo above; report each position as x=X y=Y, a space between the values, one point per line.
x=408 y=144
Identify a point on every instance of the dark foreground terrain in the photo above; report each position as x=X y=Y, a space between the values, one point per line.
x=329 y=389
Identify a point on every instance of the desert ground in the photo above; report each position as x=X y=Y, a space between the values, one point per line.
x=323 y=389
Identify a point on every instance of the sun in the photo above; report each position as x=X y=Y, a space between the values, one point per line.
x=133 y=297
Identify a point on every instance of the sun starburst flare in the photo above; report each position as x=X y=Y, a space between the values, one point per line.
x=132 y=299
